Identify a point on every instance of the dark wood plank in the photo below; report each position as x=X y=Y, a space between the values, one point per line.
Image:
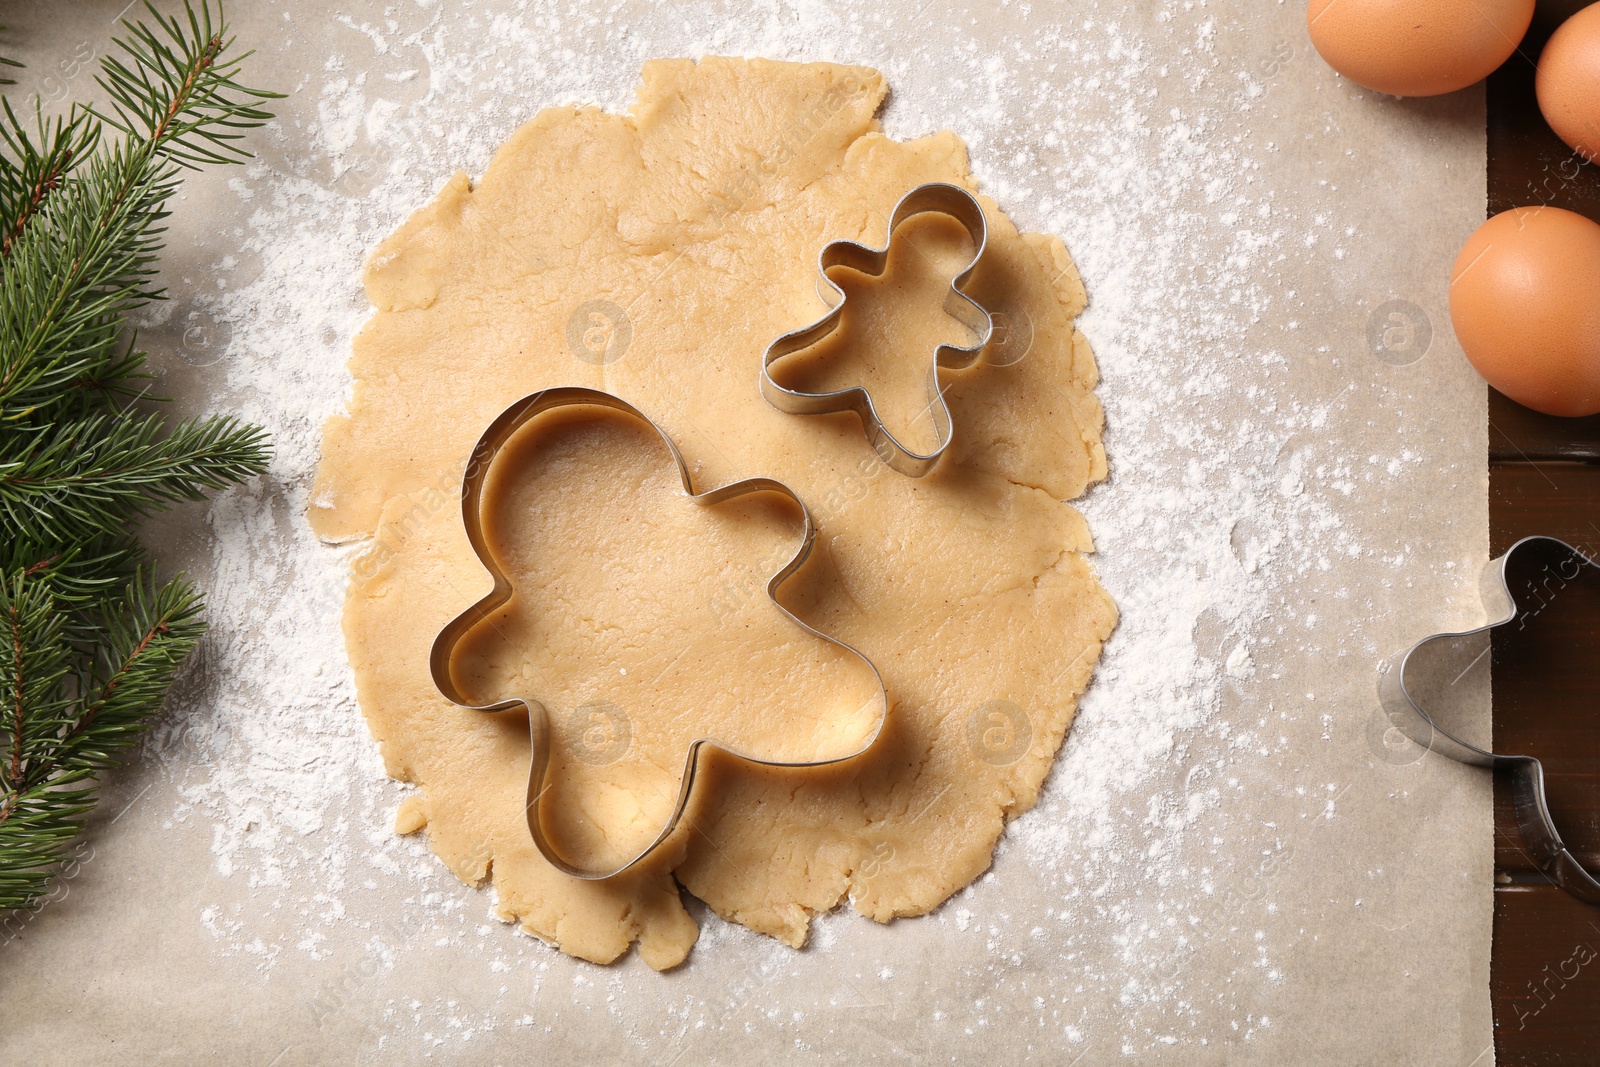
x=1544 y=677
x=1518 y=435
x=1545 y=983
x=1528 y=163
x=1544 y=977
x=1557 y=499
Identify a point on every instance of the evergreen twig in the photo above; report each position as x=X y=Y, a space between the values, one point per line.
x=89 y=641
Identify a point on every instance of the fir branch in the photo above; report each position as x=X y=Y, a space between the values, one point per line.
x=59 y=745
x=178 y=101
x=152 y=631
x=30 y=172
x=69 y=282
x=85 y=476
x=39 y=662
x=92 y=644
x=179 y=92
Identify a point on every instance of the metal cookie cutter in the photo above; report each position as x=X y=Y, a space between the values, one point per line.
x=1424 y=673
x=494 y=438
x=935 y=197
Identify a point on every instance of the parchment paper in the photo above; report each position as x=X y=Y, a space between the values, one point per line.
x=1272 y=879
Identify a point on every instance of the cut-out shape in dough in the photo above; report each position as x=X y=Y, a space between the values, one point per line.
x=611 y=722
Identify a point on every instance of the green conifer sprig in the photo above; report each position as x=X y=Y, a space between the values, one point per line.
x=89 y=640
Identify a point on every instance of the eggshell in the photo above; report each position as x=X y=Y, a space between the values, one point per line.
x=1525 y=302
x=1568 y=82
x=1417 y=47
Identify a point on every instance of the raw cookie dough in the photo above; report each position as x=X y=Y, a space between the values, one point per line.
x=655 y=255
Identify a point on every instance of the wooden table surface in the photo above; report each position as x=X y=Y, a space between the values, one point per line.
x=1544 y=478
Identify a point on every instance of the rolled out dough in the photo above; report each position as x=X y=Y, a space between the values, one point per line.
x=654 y=255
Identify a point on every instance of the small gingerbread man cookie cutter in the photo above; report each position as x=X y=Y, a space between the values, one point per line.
x=1437 y=662
x=488 y=447
x=935 y=198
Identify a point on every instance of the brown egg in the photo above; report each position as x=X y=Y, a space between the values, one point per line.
x=1569 y=82
x=1417 y=47
x=1525 y=302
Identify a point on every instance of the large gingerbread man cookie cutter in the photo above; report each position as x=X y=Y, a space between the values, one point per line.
x=488 y=447
x=1432 y=666
x=936 y=198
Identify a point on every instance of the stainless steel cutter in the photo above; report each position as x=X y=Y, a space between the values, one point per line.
x=488 y=447
x=935 y=197
x=1416 y=693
